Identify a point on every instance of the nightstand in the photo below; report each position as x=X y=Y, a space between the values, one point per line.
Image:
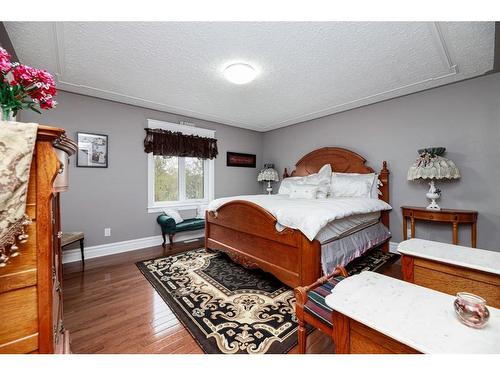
x=455 y=217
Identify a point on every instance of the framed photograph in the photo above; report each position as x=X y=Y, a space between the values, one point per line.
x=237 y=159
x=92 y=150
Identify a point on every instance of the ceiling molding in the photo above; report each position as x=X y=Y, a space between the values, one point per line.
x=453 y=70
x=59 y=33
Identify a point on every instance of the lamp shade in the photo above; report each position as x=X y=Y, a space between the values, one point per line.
x=432 y=166
x=268 y=174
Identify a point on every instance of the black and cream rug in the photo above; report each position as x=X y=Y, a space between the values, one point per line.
x=228 y=308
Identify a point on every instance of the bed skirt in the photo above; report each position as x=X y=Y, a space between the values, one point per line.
x=344 y=250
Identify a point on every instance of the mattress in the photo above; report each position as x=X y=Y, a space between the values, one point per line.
x=348 y=225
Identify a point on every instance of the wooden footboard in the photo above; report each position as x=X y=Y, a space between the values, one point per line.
x=247 y=233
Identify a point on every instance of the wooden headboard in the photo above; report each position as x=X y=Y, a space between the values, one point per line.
x=342 y=161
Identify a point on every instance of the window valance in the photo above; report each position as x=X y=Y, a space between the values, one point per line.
x=168 y=143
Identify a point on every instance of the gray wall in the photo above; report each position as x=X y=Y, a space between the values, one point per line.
x=116 y=197
x=463 y=117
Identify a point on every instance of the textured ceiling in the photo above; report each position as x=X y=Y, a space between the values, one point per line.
x=306 y=69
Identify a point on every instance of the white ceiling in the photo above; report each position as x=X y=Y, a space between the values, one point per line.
x=306 y=69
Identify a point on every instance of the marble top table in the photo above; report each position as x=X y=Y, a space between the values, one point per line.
x=420 y=318
x=468 y=257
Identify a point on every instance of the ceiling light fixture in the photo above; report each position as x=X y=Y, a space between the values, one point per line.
x=240 y=73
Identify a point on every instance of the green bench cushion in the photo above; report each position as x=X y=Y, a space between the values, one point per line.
x=168 y=224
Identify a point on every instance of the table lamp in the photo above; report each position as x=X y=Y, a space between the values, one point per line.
x=431 y=165
x=268 y=174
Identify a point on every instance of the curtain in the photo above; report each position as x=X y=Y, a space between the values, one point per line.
x=167 y=143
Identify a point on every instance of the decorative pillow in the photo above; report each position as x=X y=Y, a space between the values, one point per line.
x=286 y=183
x=303 y=191
x=174 y=214
x=200 y=211
x=322 y=179
x=323 y=176
x=352 y=185
x=375 y=192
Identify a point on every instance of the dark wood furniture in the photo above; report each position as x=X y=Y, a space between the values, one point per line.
x=247 y=232
x=445 y=275
x=71 y=237
x=31 y=283
x=455 y=217
x=306 y=315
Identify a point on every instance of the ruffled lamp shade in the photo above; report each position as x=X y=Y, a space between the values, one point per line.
x=432 y=166
x=268 y=174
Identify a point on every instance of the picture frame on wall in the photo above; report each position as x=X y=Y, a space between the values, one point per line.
x=92 y=150
x=238 y=159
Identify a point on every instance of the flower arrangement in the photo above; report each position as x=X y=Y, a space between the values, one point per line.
x=24 y=87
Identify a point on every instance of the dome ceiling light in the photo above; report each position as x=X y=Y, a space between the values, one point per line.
x=240 y=73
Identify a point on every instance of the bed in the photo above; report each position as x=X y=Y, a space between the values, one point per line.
x=248 y=233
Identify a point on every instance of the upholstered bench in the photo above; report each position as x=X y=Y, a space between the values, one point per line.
x=311 y=308
x=168 y=226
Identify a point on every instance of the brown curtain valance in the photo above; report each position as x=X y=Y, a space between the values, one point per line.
x=167 y=143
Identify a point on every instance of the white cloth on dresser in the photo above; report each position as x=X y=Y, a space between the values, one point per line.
x=17 y=142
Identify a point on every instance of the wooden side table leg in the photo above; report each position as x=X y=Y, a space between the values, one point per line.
x=473 y=235
x=455 y=233
x=405 y=228
x=412 y=227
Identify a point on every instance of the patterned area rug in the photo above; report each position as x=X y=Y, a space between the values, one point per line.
x=228 y=308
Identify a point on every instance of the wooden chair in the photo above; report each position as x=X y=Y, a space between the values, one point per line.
x=71 y=237
x=310 y=306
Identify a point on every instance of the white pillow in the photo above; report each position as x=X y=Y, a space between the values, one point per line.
x=375 y=192
x=324 y=174
x=352 y=185
x=200 y=211
x=174 y=214
x=286 y=183
x=303 y=191
x=322 y=179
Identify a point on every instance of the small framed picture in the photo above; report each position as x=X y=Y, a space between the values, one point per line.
x=237 y=159
x=92 y=150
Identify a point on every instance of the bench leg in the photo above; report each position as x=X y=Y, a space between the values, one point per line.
x=81 y=250
x=171 y=239
x=302 y=337
x=164 y=240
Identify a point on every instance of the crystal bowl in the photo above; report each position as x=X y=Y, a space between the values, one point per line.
x=471 y=310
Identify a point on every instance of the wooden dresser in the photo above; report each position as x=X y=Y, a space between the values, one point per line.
x=451 y=269
x=31 y=283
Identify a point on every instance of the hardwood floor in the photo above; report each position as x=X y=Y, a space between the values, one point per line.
x=111 y=308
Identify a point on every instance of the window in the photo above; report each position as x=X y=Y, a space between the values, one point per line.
x=181 y=182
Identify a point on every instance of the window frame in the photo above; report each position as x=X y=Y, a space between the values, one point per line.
x=208 y=172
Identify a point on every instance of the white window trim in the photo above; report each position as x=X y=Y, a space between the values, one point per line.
x=209 y=166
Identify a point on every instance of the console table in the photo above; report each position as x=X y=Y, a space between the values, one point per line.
x=376 y=314
x=455 y=217
x=451 y=269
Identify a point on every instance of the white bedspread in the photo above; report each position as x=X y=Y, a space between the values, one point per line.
x=307 y=215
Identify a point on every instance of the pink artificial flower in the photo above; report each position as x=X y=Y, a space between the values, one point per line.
x=38 y=84
x=5 y=64
x=48 y=104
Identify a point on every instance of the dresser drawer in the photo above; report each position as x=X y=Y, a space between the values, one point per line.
x=19 y=314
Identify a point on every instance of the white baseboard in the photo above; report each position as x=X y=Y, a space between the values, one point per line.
x=97 y=251
x=393 y=247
